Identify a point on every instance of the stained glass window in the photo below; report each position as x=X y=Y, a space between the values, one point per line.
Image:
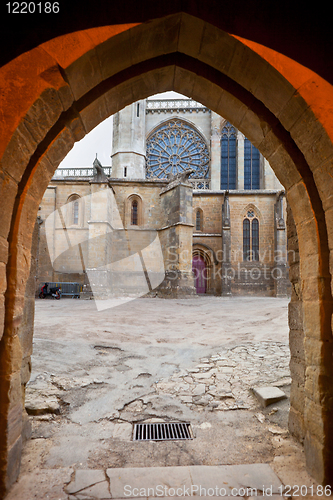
x=228 y=157
x=246 y=239
x=198 y=220
x=255 y=239
x=250 y=239
x=251 y=166
x=76 y=212
x=175 y=147
x=134 y=213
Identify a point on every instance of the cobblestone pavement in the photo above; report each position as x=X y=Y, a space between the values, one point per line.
x=196 y=360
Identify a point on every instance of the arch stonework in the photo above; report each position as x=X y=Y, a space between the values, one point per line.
x=70 y=84
x=128 y=207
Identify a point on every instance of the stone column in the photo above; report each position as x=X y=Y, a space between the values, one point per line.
x=176 y=237
x=280 y=255
x=226 y=246
x=215 y=152
x=240 y=160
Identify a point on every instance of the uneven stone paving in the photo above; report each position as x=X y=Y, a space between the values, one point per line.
x=195 y=360
x=224 y=381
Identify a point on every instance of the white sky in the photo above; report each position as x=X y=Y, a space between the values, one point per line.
x=99 y=141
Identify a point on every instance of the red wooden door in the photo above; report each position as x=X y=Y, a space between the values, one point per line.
x=200 y=273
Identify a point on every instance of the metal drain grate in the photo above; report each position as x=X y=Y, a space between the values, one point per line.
x=162 y=431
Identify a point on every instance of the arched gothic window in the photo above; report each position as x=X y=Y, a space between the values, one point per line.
x=175 y=147
x=73 y=211
x=134 y=213
x=251 y=166
x=198 y=220
x=228 y=157
x=250 y=237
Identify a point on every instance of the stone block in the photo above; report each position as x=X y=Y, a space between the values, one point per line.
x=324 y=183
x=18 y=152
x=190 y=35
x=318 y=353
x=39 y=404
x=3 y=250
x=158 y=37
x=26 y=370
x=13 y=359
x=314 y=420
x=235 y=476
x=314 y=455
x=314 y=315
x=199 y=389
x=53 y=76
x=268 y=395
x=94 y=113
x=8 y=191
x=284 y=168
x=295 y=315
x=43 y=114
x=13 y=462
x=149 y=477
x=291 y=112
x=296 y=344
x=315 y=145
x=296 y=424
x=212 y=38
x=316 y=289
x=14 y=424
x=89 y=69
x=85 y=478
x=298 y=196
x=297 y=370
x=99 y=490
x=297 y=398
x=59 y=148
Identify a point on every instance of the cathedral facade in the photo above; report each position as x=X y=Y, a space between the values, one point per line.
x=188 y=206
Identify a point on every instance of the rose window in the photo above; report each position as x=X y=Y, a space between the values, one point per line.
x=175 y=147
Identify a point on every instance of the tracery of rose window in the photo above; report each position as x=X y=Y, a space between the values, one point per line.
x=175 y=147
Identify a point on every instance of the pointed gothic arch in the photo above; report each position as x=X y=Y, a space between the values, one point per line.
x=61 y=99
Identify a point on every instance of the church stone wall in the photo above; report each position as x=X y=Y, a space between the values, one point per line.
x=199 y=119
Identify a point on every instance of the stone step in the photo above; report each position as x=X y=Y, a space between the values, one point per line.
x=248 y=480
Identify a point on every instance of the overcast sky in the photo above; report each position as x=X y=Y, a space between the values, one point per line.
x=99 y=141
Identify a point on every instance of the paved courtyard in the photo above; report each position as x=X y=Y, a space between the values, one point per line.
x=194 y=360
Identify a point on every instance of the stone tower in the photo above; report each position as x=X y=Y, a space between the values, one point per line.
x=129 y=142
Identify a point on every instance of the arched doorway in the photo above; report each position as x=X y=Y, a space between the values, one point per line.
x=200 y=273
x=61 y=98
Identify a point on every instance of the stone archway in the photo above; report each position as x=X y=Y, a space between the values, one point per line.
x=70 y=84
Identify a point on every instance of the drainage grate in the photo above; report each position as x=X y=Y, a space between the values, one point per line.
x=162 y=431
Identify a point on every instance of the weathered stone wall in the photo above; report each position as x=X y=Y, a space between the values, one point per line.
x=255 y=278
x=176 y=236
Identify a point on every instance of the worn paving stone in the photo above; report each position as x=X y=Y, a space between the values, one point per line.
x=41 y=484
x=144 y=478
x=39 y=404
x=85 y=478
x=99 y=490
x=268 y=395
